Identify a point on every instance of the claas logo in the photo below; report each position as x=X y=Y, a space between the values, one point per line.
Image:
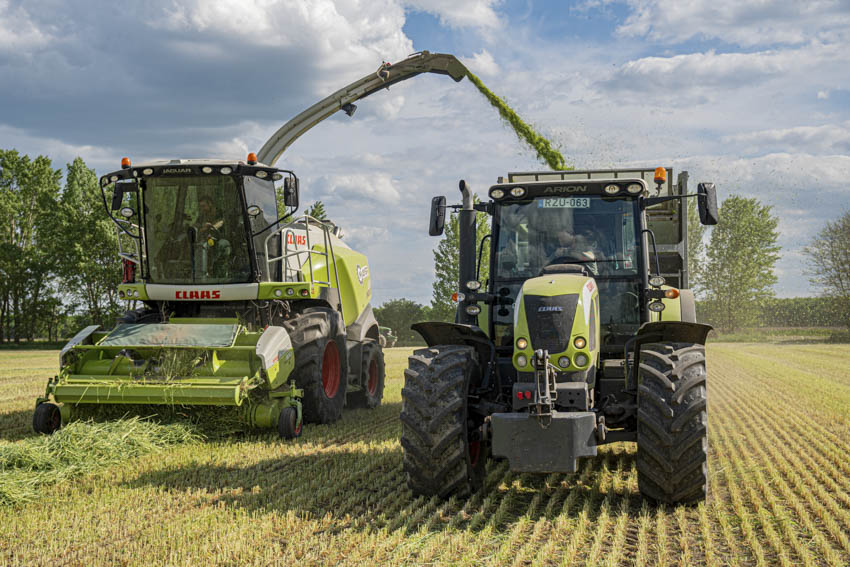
x=297 y=239
x=198 y=294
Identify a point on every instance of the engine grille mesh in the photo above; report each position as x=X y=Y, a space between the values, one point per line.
x=550 y=320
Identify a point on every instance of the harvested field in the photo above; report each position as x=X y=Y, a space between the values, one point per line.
x=779 y=468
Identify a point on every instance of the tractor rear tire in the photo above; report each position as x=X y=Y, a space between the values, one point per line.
x=47 y=418
x=672 y=423
x=439 y=457
x=321 y=366
x=372 y=375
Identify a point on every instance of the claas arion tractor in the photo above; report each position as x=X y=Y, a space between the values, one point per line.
x=243 y=302
x=584 y=334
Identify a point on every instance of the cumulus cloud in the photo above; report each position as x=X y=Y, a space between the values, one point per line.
x=742 y=22
x=829 y=138
x=461 y=13
x=482 y=64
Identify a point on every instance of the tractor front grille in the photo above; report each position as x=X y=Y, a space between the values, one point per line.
x=550 y=320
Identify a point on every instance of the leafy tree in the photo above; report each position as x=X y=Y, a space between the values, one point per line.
x=829 y=263
x=696 y=246
x=446 y=265
x=317 y=211
x=28 y=195
x=400 y=314
x=741 y=255
x=89 y=265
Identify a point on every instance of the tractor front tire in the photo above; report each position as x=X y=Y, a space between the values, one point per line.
x=440 y=459
x=372 y=376
x=47 y=418
x=320 y=363
x=672 y=423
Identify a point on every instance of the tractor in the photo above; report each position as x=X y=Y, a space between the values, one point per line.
x=584 y=334
x=239 y=301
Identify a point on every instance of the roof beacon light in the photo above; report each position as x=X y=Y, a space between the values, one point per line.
x=252 y=160
x=125 y=163
x=660 y=175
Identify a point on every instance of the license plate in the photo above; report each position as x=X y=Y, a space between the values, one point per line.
x=564 y=203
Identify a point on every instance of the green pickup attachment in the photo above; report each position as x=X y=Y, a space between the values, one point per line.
x=203 y=362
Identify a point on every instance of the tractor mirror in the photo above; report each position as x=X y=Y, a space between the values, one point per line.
x=290 y=192
x=707 y=203
x=119 y=191
x=438 y=216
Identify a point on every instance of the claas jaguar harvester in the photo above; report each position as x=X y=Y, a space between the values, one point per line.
x=243 y=302
x=584 y=334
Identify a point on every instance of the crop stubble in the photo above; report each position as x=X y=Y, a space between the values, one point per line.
x=779 y=468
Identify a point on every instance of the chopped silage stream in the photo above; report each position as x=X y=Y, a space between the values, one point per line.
x=83 y=447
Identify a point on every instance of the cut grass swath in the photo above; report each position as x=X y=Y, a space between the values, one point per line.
x=28 y=467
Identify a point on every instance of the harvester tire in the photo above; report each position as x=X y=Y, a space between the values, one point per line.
x=321 y=366
x=47 y=419
x=287 y=423
x=672 y=423
x=372 y=375
x=439 y=457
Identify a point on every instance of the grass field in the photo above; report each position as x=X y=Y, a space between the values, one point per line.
x=779 y=471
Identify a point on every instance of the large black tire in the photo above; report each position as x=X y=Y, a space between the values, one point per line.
x=321 y=366
x=672 y=423
x=47 y=419
x=287 y=423
x=372 y=376
x=440 y=459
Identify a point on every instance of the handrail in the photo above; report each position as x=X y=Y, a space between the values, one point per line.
x=286 y=255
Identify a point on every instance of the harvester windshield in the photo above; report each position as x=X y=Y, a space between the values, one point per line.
x=196 y=231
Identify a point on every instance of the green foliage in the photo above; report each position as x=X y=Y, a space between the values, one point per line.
x=696 y=246
x=89 y=266
x=738 y=275
x=545 y=152
x=446 y=265
x=829 y=264
x=399 y=315
x=29 y=190
x=317 y=211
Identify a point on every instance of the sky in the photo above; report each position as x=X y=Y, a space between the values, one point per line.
x=752 y=95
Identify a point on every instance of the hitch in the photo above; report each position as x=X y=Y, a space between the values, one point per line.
x=545 y=392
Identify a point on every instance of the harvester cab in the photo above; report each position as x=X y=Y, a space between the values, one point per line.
x=243 y=302
x=584 y=334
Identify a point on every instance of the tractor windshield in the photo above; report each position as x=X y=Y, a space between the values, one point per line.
x=195 y=230
x=590 y=231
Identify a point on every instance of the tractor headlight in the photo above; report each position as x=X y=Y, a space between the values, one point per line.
x=581 y=359
x=634 y=188
x=278 y=292
x=656 y=281
x=226 y=170
x=580 y=342
x=206 y=169
x=290 y=291
x=497 y=193
x=522 y=361
x=656 y=306
x=473 y=285
x=522 y=343
x=564 y=362
x=262 y=174
x=121 y=293
x=147 y=171
x=473 y=309
x=518 y=192
x=612 y=189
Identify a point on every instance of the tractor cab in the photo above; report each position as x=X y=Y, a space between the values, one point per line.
x=199 y=222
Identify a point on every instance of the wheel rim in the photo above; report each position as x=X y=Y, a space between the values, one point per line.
x=330 y=370
x=372 y=385
x=55 y=419
x=474 y=452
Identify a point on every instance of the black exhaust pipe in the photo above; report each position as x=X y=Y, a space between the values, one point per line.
x=466 y=253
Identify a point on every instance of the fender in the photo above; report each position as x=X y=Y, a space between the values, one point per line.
x=440 y=333
x=661 y=332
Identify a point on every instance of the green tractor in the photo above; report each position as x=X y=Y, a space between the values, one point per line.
x=584 y=334
x=388 y=338
x=244 y=303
